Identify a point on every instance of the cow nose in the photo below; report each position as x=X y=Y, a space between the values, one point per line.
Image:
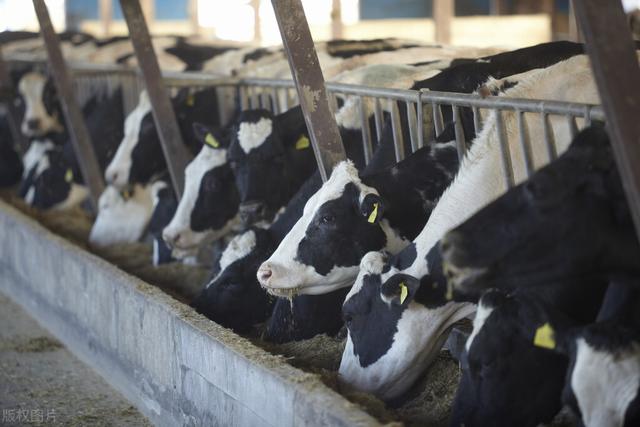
x=33 y=124
x=252 y=212
x=171 y=238
x=264 y=273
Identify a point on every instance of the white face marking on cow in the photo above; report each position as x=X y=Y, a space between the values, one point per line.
x=287 y=272
x=118 y=171
x=253 y=135
x=605 y=383
x=156 y=187
x=420 y=336
x=34 y=154
x=482 y=315
x=370 y=264
x=120 y=220
x=178 y=233
x=239 y=247
x=31 y=87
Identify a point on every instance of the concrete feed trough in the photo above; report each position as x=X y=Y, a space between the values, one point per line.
x=176 y=366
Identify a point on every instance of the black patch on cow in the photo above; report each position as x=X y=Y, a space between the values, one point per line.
x=256 y=54
x=235 y=299
x=217 y=201
x=194 y=56
x=372 y=323
x=423 y=63
x=349 y=48
x=10 y=163
x=310 y=315
x=338 y=235
x=405 y=258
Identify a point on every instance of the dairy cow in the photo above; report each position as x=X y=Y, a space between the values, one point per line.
x=478 y=181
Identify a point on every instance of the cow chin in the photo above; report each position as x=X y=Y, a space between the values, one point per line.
x=420 y=335
x=301 y=279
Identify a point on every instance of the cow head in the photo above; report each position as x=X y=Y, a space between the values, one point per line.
x=51 y=179
x=123 y=215
x=340 y=223
x=393 y=336
x=42 y=111
x=510 y=371
x=569 y=219
x=234 y=298
x=139 y=156
x=264 y=156
x=209 y=205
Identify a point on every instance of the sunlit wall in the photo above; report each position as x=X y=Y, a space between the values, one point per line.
x=19 y=15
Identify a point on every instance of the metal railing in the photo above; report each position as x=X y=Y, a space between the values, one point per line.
x=377 y=107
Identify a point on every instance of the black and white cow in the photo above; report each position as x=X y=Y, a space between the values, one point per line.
x=10 y=162
x=165 y=205
x=52 y=175
x=478 y=181
x=139 y=156
x=208 y=209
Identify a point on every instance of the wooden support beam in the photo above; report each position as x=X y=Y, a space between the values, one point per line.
x=307 y=75
x=574 y=27
x=337 y=29
x=173 y=147
x=257 y=26
x=193 y=17
x=617 y=74
x=443 y=12
x=7 y=95
x=80 y=138
x=106 y=16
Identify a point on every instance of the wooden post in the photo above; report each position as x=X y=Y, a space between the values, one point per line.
x=106 y=16
x=76 y=126
x=574 y=26
x=307 y=75
x=193 y=17
x=173 y=147
x=443 y=12
x=615 y=68
x=498 y=7
x=148 y=9
x=257 y=28
x=7 y=93
x=336 y=19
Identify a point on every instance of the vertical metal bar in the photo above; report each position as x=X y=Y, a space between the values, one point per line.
x=106 y=16
x=366 y=132
x=285 y=100
x=7 y=92
x=574 y=26
x=413 y=127
x=523 y=133
x=437 y=119
x=443 y=12
x=265 y=100
x=477 y=120
x=459 y=131
x=336 y=19
x=173 y=147
x=307 y=75
x=615 y=68
x=274 y=99
x=257 y=27
x=420 y=113
x=507 y=167
x=549 y=138
x=244 y=98
x=193 y=17
x=80 y=139
x=587 y=116
x=573 y=127
x=378 y=115
x=396 y=127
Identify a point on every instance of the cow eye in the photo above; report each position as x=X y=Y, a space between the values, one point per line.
x=328 y=219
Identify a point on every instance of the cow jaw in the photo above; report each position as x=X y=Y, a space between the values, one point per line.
x=420 y=334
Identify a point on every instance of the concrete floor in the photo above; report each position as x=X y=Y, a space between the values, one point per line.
x=42 y=383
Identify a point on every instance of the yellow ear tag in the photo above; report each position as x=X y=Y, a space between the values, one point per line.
x=302 y=143
x=374 y=214
x=126 y=194
x=403 y=292
x=544 y=337
x=211 y=141
x=68 y=175
x=190 y=100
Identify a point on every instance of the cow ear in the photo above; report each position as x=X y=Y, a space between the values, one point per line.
x=399 y=290
x=372 y=208
x=207 y=136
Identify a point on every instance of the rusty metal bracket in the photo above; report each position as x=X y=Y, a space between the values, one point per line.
x=307 y=75
x=80 y=139
x=615 y=68
x=7 y=91
x=165 y=119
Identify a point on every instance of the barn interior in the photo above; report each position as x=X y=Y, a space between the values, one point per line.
x=303 y=212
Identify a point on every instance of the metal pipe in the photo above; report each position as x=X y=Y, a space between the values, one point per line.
x=461 y=145
x=523 y=134
x=366 y=132
x=507 y=167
